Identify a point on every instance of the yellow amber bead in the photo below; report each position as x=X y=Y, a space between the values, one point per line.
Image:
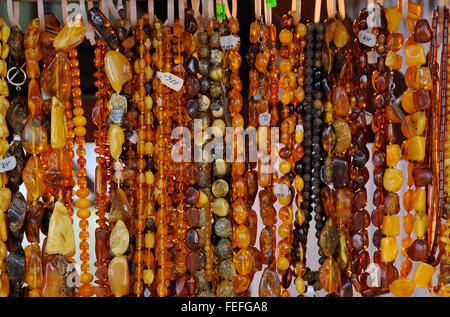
x=408 y=101
x=3 y=227
x=119 y=276
x=116 y=138
x=394 y=61
x=391 y=225
x=423 y=274
x=421 y=222
x=424 y=79
x=285 y=66
x=299 y=183
x=416 y=148
x=393 y=154
x=301 y=29
x=149 y=276
x=286 y=36
x=282 y=263
x=286 y=97
x=70 y=36
x=389 y=249
x=392 y=179
x=416 y=123
x=58 y=132
x=299 y=136
x=5 y=198
x=420 y=200
x=300 y=285
x=4 y=106
x=119 y=238
x=203 y=201
x=83 y=203
x=285 y=167
x=415 y=55
x=118 y=69
x=393 y=17
x=402 y=287
x=149 y=240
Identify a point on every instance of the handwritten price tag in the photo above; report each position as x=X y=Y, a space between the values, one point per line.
x=367 y=38
x=280 y=190
x=220 y=9
x=271 y=3
x=7 y=164
x=264 y=118
x=170 y=80
x=229 y=41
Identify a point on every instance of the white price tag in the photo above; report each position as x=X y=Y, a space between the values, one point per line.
x=264 y=118
x=229 y=41
x=374 y=17
x=170 y=80
x=367 y=38
x=281 y=190
x=372 y=57
x=7 y=164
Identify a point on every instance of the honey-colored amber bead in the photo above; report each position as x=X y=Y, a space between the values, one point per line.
x=329 y=275
x=33 y=273
x=34 y=136
x=243 y=261
x=60 y=239
x=393 y=17
x=119 y=276
x=389 y=249
x=149 y=276
x=423 y=274
x=391 y=225
x=4 y=106
x=416 y=148
x=340 y=35
x=299 y=183
x=392 y=179
x=3 y=227
x=4 y=284
x=242 y=236
x=415 y=55
x=5 y=198
x=33 y=177
x=424 y=79
x=393 y=61
x=420 y=200
x=406 y=268
x=282 y=263
x=58 y=130
x=416 y=123
x=402 y=287
x=421 y=222
x=394 y=41
x=119 y=238
x=70 y=36
x=118 y=69
x=408 y=101
x=285 y=167
x=300 y=285
x=116 y=138
x=393 y=154
x=286 y=36
x=408 y=222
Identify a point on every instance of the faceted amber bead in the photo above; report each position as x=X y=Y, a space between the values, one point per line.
x=402 y=287
x=118 y=69
x=394 y=61
x=423 y=274
x=415 y=55
x=119 y=276
x=392 y=179
x=393 y=17
x=416 y=148
x=33 y=177
x=391 y=225
x=389 y=249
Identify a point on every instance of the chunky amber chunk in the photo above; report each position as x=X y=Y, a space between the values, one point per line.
x=394 y=61
x=34 y=136
x=415 y=55
x=389 y=249
x=60 y=239
x=423 y=274
x=330 y=277
x=392 y=179
x=58 y=125
x=118 y=69
x=116 y=138
x=393 y=17
x=420 y=200
x=5 y=198
x=421 y=222
x=70 y=36
x=119 y=238
x=33 y=177
x=402 y=287
x=424 y=79
x=416 y=148
x=393 y=154
x=119 y=276
x=391 y=225
x=56 y=77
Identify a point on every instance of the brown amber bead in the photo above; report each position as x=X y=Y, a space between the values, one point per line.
x=422 y=32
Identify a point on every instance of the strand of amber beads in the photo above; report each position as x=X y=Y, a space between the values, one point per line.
x=83 y=192
x=5 y=192
x=34 y=140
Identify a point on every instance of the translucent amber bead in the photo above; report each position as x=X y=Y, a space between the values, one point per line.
x=402 y=287
x=34 y=136
x=392 y=179
x=394 y=41
x=56 y=78
x=300 y=285
x=116 y=138
x=408 y=101
x=340 y=36
x=415 y=55
x=406 y=268
x=423 y=274
x=389 y=249
x=58 y=125
x=394 y=61
x=286 y=36
x=424 y=79
x=33 y=177
x=242 y=236
x=243 y=261
x=416 y=148
x=393 y=154
x=391 y=225
x=393 y=17
x=408 y=222
x=329 y=275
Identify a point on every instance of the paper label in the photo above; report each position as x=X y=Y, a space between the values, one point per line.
x=7 y=164
x=367 y=38
x=264 y=118
x=372 y=57
x=220 y=9
x=229 y=41
x=170 y=80
x=271 y=3
x=280 y=190
x=374 y=17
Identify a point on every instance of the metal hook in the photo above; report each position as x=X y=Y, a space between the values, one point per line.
x=18 y=70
